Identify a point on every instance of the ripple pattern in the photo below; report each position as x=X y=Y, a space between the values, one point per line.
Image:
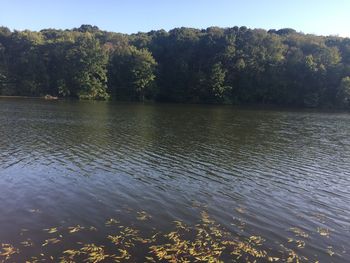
x=285 y=168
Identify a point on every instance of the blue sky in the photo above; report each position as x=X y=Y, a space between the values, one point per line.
x=323 y=17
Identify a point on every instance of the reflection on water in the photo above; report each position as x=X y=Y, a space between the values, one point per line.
x=131 y=182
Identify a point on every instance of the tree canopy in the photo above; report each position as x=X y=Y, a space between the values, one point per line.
x=214 y=65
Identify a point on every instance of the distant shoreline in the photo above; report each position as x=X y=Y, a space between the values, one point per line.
x=246 y=106
x=29 y=97
x=20 y=97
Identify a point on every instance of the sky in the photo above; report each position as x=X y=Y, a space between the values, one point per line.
x=321 y=17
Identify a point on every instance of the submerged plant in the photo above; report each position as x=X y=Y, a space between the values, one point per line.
x=206 y=241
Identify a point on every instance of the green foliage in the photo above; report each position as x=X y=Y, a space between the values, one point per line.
x=63 y=89
x=90 y=73
x=343 y=94
x=132 y=73
x=143 y=66
x=215 y=65
x=217 y=81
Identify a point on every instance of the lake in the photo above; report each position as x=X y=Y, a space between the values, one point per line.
x=109 y=182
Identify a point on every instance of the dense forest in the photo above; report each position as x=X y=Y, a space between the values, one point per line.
x=215 y=65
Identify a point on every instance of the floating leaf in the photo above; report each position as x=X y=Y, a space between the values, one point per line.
x=7 y=251
x=115 y=239
x=111 y=222
x=299 y=232
x=330 y=251
x=92 y=228
x=240 y=210
x=95 y=253
x=150 y=259
x=300 y=243
x=51 y=241
x=27 y=243
x=323 y=231
x=72 y=253
x=143 y=216
x=74 y=229
x=51 y=230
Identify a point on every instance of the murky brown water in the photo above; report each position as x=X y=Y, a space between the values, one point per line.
x=239 y=183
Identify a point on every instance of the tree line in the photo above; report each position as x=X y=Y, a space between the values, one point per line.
x=234 y=65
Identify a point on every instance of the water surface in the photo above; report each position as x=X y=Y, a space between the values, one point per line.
x=279 y=175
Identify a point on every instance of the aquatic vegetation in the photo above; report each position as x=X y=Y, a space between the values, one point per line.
x=209 y=243
x=94 y=253
x=111 y=222
x=320 y=217
x=27 y=243
x=330 y=251
x=292 y=256
x=239 y=223
x=299 y=243
x=298 y=232
x=323 y=232
x=143 y=216
x=7 y=250
x=92 y=228
x=51 y=241
x=51 y=230
x=74 y=229
x=240 y=210
x=71 y=253
x=205 y=241
x=181 y=225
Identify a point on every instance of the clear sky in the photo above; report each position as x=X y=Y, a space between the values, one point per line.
x=324 y=17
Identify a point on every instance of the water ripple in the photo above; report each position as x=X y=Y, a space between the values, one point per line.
x=284 y=168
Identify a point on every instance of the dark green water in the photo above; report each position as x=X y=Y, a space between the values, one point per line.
x=283 y=176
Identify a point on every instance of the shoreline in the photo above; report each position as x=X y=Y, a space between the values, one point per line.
x=19 y=97
x=29 y=97
x=247 y=106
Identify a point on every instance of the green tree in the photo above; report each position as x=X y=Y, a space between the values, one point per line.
x=183 y=65
x=89 y=66
x=344 y=92
x=142 y=69
x=132 y=73
x=217 y=82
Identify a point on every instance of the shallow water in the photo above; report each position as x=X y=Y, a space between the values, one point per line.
x=280 y=175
